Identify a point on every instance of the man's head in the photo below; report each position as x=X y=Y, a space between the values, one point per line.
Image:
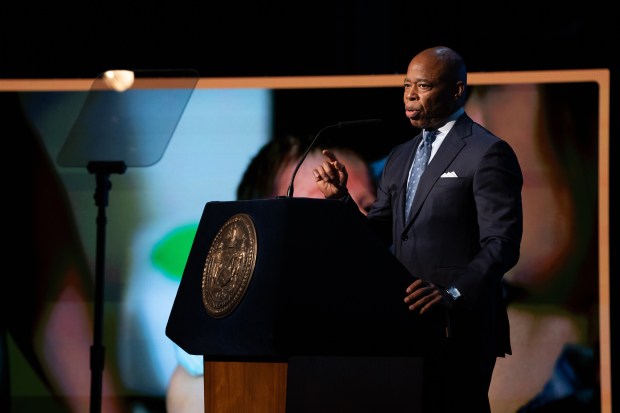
x=434 y=86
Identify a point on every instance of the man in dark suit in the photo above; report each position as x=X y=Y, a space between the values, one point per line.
x=460 y=235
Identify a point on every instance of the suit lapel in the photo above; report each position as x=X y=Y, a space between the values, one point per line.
x=452 y=144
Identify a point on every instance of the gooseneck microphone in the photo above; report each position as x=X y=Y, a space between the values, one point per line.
x=346 y=124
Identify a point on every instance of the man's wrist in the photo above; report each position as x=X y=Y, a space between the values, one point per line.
x=343 y=197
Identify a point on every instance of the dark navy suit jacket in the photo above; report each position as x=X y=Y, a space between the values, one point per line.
x=463 y=231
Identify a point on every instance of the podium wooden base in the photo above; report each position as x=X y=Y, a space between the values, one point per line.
x=240 y=387
x=315 y=385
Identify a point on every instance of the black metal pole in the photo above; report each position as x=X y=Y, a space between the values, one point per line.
x=97 y=350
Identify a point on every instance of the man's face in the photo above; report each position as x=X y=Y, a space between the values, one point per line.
x=360 y=184
x=428 y=96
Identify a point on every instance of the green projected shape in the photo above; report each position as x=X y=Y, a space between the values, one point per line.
x=170 y=253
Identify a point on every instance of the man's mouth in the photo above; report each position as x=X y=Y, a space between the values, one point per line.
x=412 y=113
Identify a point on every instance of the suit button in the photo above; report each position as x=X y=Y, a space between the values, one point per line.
x=404 y=237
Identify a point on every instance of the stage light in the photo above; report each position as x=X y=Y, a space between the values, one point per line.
x=119 y=80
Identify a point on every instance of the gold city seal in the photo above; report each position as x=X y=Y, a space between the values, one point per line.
x=229 y=266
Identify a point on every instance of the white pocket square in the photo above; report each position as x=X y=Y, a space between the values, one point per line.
x=450 y=174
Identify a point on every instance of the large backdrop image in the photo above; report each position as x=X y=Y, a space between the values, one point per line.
x=153 y=211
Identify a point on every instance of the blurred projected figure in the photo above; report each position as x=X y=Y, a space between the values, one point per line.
x=159 y=218
x=552 y=291
x=47 y=291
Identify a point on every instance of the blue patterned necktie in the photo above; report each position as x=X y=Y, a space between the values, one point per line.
x=422 y=157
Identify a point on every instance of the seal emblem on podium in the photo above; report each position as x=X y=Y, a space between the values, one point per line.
x=229 y=266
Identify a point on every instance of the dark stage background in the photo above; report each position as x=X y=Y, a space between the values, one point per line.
x=273 y=39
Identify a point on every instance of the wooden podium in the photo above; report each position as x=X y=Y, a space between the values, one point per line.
x=233 y=386
x=320 y=325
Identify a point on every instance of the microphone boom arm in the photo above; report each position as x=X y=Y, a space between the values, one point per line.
x=289 y=193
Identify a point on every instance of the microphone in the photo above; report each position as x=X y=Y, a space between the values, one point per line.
x=345 y=124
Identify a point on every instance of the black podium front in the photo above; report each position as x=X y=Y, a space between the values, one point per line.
x=325 y=298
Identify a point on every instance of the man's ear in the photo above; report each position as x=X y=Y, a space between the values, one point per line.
x=460 y=90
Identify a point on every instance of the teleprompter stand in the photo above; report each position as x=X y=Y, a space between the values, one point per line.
x=107 y=139
x=322 y=326
x=102 y=171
